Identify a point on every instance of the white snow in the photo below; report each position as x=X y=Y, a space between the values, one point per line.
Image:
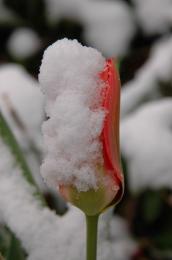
x=20 y=92
x=108 y=26
x=155 y=16
x=45 y=235
x=57 y=9
x=23 y=43
x=145 y=128
x=21 y=102
x=146 y=138
x=144 y=86
x=69 y=78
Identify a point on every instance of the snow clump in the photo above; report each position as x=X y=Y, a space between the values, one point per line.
x=69 y=78
x=23 y=43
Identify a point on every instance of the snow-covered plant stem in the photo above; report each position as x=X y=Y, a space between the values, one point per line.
x=92 y=228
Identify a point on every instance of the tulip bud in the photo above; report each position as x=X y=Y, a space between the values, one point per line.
x=110 y=188
x=81 y=136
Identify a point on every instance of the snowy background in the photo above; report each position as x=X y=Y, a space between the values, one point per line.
x=138 y=33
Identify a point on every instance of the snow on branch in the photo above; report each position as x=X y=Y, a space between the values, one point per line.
x=145 y=84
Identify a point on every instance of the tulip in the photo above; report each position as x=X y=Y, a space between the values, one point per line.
x=93 y=202
x=93 y=88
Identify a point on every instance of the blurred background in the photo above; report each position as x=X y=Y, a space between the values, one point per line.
x=138 y=34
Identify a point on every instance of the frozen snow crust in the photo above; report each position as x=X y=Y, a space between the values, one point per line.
x=69 y=78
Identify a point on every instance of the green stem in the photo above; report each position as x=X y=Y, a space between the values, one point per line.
x=92 y=223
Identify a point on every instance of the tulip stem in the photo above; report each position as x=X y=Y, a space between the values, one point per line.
x=92 y=223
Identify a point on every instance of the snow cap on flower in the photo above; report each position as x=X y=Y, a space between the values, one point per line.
x=69 y=77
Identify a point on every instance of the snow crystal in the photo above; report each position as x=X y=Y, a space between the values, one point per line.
x=146 y=138
x=69 y=77
x=23 y=43
x=145 y=84
x=154 y=15
x=45 y=235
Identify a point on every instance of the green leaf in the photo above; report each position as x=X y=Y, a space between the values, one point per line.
x=164 y=240
x=4 y=240
x=15 y=250
x=1 y=257
x=9 y=139
x=10 y=247
x=152 y=205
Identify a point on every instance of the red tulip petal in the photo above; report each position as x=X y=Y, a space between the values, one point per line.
x=110 y=133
